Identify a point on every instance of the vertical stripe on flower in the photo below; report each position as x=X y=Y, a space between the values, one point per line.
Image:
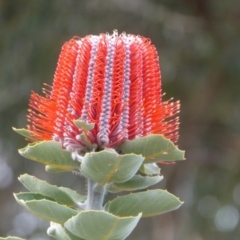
x=113 y=81
x=118 y=93
x=104 y=124
x=88 y=85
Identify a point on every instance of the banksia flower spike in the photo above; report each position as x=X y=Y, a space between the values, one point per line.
x=105 y=110
x=111 y=81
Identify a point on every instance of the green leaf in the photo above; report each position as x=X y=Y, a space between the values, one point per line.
x=136 y=183
x=36 y=185
x=154 y=147
x=11 y=238
x=25 y=133
x=150 y=169
x=60 y=233
x=108 y=166
x=100 y=225
x=84 y=126
x=149 y=203
x=50 y=153
x=48 y=210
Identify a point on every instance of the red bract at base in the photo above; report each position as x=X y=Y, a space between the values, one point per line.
x=113 y=81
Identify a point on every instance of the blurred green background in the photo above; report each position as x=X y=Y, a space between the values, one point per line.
x=199 y=46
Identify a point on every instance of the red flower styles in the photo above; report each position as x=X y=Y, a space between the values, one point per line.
x=113 y=81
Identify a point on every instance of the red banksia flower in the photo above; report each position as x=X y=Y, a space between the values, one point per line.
x=112 y=81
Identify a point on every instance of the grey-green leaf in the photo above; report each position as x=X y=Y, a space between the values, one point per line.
x=36 y=185
x=84 y=126
x=50 y=153
x=74 y=195
x=154 y=147
x=48 y=210
x=51 y=169
x=25 y=133
x=58 y=232
x=108 y=166
x=149 y=203
x=136 y=183
x=29 y=196
x=100 y=225
x=72 y=236
x=150 y=169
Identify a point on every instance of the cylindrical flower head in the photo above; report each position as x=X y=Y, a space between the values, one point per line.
x=112 y=81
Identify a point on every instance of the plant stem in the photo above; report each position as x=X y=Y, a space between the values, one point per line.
x=95 y=196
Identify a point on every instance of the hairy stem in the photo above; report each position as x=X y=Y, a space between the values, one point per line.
x=95 y=196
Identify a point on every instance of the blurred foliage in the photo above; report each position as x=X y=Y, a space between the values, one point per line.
x=199 y=46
